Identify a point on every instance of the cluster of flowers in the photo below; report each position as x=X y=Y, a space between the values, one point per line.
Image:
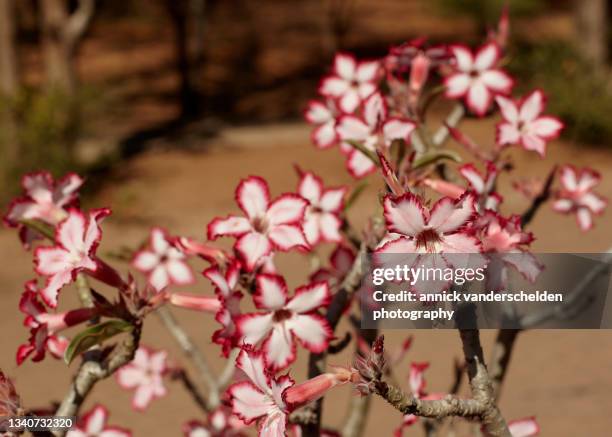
x=374 y=111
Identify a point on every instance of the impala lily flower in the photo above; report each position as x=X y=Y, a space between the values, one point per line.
x=576 y=195
x=196 y=302
x=285 y=319
x=163 y=262
x=416 y=229
x=93 y=424
x=44 y=326
x=484 y=186
x=44 y=199
x=524 y=125
x=220 y=423
x=267 y=225
x=321 y=222
x=225 y=289
x=260 y=399
x=323 y=116
x=77 y=239
x=527 y=427
x=506 y=241
x=376 y=129
x=144 y=374
x=476 y=77
x=351 y=82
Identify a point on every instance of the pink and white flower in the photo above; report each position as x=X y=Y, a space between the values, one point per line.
x=506 y=243
x=145 y=375
x=267 y=225
x=476 y=78
x=414 y=228
x=77 y=239
x=323 y=116
x=523 y=123
x=527 y=427
x=285 y=319
x=261 y=398
x=225 y=288
x=373 y=131
x=577 y=196
x=321 y=222
x=44 y=199
x=483 y=186
x=351 y=82
x=163 y=262
x=93 y=424
x=44 y=326
x=341 y=260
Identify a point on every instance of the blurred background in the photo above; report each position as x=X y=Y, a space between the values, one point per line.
x=165 y=105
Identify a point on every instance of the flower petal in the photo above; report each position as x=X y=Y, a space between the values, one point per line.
x=345 y=66
x=248 y=402
x=404 y=215
x=353 y=128
x=279 y=347
x=487 y=56
x=253 y=196
x=286 y=237
x=252 y=247
x=310 y=297
x=252 y=328
x=312 y=330
x=332 y=199
x=287 y=209
x=271 y=292
x=230 y=226
x=508 y=109
x=532 y=106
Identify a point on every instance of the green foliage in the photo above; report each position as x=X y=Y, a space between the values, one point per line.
x=578 y=95
x=485 y=13
x=94 y=335
x=47 y=127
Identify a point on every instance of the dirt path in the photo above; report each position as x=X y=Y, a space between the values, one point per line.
x=561 y=377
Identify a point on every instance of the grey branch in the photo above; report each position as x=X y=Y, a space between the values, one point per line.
x=194 y=354
x=452 y=120
x=92 y=370
x=78 y=22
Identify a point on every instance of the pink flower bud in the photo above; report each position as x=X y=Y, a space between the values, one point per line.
x=445 y=188
x=195 y=302
x=419 y=73
x=315 y=388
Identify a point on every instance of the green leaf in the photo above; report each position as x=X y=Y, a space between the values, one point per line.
x=355 y=195
x=435 y=156
x=94 y=335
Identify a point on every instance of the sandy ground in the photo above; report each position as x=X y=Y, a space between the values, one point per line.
x=561 y=377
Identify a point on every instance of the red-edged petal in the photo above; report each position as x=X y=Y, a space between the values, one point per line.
x=333 y=199
x=312 y=330
x=487 y=56
x=457 y=85
x=286 y=209
x=285 y=237
x=398 y=129
x=252 y=247
x=310 y=187
x=508 y=109
x=271 y=292
x=448 y=215
x=532 y=106
x=279 y=347
x=229 y=226
x=253 y=196
x=353 y=128
x=405 y=214
x=248 y=402
x=310 y=297
x=325 y=136
x=345 y=66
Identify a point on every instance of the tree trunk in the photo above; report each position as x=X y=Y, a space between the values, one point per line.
x=179 y=13
x=58 y=57
x=9 y=82
x=592 y=30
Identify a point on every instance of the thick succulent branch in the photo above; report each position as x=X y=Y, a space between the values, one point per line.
x=93 y=369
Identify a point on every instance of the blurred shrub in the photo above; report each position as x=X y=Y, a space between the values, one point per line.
x=578 y=95
x=47 y=126
x=485 y=13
